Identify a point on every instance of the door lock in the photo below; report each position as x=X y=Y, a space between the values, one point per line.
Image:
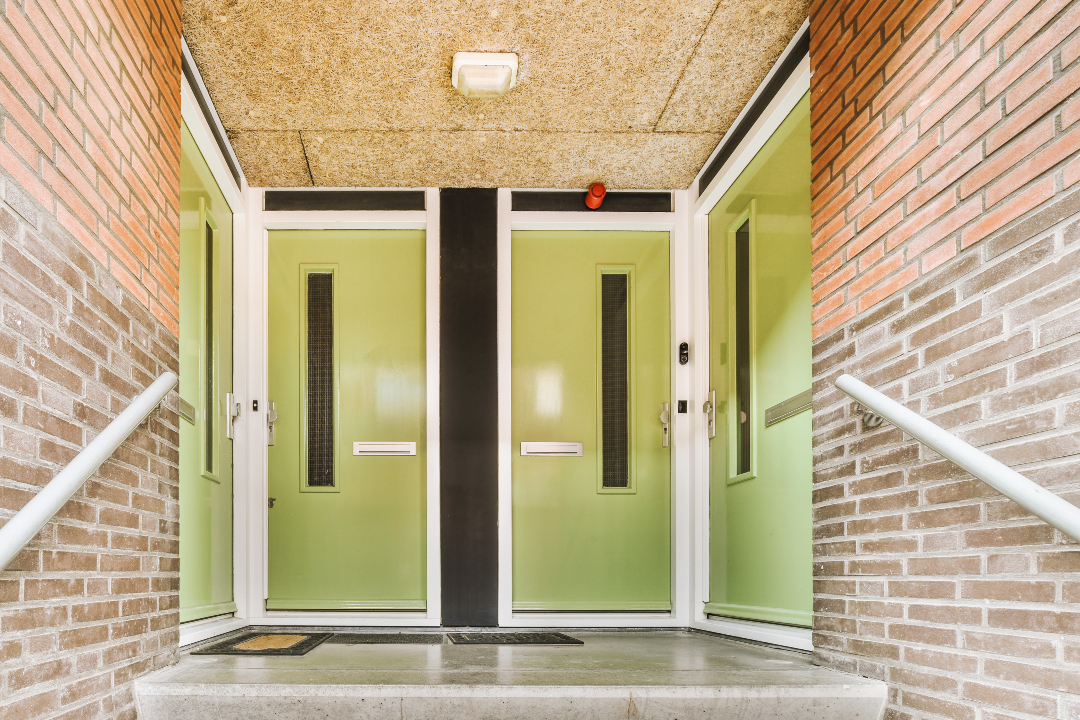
x=709 y=408
x=665 y=417
x=270 y=502
x=271 y=418
x=232 y=411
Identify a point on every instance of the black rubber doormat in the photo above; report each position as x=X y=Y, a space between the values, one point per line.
x=514 y=638
x=386 y=639
x=262 y=643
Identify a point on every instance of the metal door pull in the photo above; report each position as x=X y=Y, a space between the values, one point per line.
x=553 y=449
x=383 y=448
x=271 y=418
x=232 y=411
x=709 y=408
x=665 y=420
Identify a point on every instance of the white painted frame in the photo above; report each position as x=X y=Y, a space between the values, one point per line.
x=235 y=196
x=677 y=224
x=792 y=91
x=251 y=314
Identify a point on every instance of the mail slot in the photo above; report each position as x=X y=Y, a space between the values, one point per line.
x=553 y=449
x=384 y=448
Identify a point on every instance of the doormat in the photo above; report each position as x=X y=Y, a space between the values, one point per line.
x=514 y=638
x=255 y=643
x=386 y=639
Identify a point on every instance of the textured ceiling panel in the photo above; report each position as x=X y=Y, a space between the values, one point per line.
x=507 y=159
x=615 y=70
x=272 y=159
x=736 y=53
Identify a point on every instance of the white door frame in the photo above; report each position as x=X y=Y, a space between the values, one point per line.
x=792 y=91
x=251 y=315
x=677 y=224
x=199 y=126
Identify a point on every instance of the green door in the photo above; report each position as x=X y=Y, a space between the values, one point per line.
x=761 y=466
x=347 y=379
x=590 y=365
x=206 y=578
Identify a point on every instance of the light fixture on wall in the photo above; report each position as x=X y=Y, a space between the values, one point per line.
x=484 y=75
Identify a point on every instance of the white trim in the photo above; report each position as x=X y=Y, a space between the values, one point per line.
x=249 y=479
x=681 y=389
x=586 y=220
x=676 y=224
x=345 y=219
x=347 y=619
x=252 y=263
x=785 y=100
x=783 y=635
x=196 y=122
x=236 y=198
x=432 y=320
x=199 y=630
x=506 y=450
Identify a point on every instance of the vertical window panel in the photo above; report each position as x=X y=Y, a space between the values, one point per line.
x=320 y=380
x=743 y=350
x=209 y=416
x=614 y=380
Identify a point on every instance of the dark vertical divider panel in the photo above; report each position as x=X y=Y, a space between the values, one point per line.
x=469 y=402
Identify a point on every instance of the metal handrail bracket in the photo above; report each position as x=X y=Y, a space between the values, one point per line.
x=1034 y=498
x=28 y=522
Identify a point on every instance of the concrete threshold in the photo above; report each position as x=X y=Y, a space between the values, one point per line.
x=667 y=675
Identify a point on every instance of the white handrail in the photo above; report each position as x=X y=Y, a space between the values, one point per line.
x=28 y=522
x=1034 y=498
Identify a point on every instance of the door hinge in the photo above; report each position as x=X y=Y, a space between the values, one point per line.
x=270 y=502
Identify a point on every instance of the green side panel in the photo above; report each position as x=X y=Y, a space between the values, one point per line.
x=760 y=544
x=576 y=545
x=361 y=543
x=206 y=542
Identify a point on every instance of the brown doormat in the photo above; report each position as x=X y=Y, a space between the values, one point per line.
x=266 y=643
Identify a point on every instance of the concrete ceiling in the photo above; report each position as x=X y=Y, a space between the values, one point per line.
x=634 y=93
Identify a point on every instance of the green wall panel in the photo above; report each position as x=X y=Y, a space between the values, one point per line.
x=361 y=544
x=577 y=546
x=206 y=542
x=760 y=544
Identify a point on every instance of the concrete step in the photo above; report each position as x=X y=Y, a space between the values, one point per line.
x=616 y=675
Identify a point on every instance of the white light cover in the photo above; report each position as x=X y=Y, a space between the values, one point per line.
x=484 y=75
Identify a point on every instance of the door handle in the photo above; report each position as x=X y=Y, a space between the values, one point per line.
x=709 y=408
x=271 y=418
x=232 y=411
x=665 y=417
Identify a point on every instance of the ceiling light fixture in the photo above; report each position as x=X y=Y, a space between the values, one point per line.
x=484 y=75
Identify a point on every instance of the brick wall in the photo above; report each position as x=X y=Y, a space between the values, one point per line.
x=946 y=259
x=89 y=182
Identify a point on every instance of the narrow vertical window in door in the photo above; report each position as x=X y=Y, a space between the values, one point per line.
x=208 y=349
x=614 y=380
x=320 y=379
x=742 y=348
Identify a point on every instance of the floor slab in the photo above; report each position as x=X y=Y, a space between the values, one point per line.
x=664 y=675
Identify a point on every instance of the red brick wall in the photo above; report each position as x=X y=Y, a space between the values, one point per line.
x=933 y=125
x=946 y=256
x=89 y=183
